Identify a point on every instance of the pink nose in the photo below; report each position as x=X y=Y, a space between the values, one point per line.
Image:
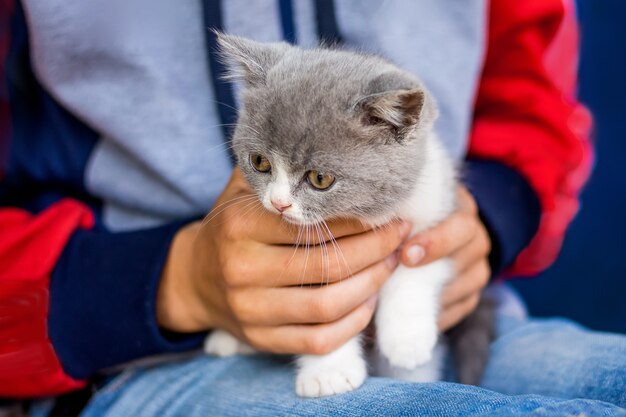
x=280 y=205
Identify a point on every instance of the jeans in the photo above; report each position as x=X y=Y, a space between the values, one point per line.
x=538 y=367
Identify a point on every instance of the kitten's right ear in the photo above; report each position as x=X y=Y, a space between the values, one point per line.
x=249 y=60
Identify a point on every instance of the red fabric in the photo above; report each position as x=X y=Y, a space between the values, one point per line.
x=527 y=116
x=29 y=248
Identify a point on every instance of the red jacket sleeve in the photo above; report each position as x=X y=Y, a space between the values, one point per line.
x=29 y=248
x=527 y=115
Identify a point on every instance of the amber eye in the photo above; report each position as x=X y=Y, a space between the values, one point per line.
x=320 y=180
x=260 y=163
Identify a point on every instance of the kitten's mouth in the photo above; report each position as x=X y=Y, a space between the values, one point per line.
x=297 y=220
x=290 y=218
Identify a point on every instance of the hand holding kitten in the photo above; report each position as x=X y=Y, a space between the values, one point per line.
x=239 y=272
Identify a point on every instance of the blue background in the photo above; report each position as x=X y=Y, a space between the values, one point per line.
x=588 y=282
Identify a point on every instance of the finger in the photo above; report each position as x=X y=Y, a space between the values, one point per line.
x=454 y=314
x=445 y=238
x=333 y=261
x=298 y=305
x=281 y=232
x=244 y=216
x=467 y=284
x=476 y=249
x=279 y=266
x=440 y=241
x=465 y=200
x=318 y=339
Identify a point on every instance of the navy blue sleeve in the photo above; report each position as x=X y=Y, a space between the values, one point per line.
x=102 y=300
x=508 y=207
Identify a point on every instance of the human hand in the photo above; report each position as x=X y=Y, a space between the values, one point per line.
x=463 y=238
x=239 y=272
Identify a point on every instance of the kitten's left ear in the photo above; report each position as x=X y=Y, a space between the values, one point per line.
x=397 y=104
x=249 y=60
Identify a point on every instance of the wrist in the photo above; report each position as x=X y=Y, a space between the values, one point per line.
x=179 y=307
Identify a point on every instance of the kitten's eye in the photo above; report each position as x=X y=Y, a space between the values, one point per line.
x=319 y=180
x=260 y=163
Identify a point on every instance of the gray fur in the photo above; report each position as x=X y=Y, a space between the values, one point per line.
x=355 y=116
x=470 y=342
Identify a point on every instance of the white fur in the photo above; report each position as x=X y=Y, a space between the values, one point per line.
x=221 y=343
x=408 y=304
x=340 y=371
x=428 y=372
x=406 y=318
x=279 y=190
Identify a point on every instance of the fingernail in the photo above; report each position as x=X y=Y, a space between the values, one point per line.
x=392 y=260
x=415 y=253
x=371 y=302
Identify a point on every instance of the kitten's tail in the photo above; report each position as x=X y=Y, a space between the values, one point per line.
x=470 y=341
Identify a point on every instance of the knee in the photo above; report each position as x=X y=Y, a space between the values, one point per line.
x=559 y=357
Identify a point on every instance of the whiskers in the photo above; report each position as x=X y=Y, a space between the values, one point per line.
x=336 y=248
x=312 y=239
x=250 y=201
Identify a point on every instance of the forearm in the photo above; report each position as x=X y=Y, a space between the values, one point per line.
x=508 y=207
x=104 y=287
x=29 y=249
x=527 y=116
x=76 y=300
x=179 y=307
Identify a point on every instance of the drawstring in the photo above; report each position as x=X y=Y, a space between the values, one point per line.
x=327 y=28
x=225 y=98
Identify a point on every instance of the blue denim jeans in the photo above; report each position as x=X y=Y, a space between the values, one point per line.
x=539 y=367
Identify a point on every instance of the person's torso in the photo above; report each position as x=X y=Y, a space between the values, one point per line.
x=136 y=73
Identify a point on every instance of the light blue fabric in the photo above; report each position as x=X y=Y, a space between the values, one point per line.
x=538 y=367
x=136 y=72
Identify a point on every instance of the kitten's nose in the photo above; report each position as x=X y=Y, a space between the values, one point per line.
x=280 y=205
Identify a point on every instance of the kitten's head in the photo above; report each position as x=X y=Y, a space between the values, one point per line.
x=326 y=133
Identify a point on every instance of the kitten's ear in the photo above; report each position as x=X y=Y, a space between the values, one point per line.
x=397 y=104
x=249 y=60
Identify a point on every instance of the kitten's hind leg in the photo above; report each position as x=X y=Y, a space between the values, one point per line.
x=221 y=343
x=340 y=371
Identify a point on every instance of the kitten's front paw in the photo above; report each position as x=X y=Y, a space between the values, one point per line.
x=408 y=347
x=324 y=382
x=221 y=343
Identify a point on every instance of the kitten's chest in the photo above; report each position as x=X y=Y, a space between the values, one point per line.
x=434 y=196
x=425 y=212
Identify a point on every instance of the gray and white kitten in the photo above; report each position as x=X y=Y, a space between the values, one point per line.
x=325 y=134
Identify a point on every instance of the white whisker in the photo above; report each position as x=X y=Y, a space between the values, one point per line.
x=216 y=210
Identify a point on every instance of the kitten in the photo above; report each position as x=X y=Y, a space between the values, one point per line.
x=326 y=134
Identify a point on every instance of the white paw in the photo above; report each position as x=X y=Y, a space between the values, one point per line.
x=330 y=382
x=408 y=348
x=430 y=371
x=221 y=343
